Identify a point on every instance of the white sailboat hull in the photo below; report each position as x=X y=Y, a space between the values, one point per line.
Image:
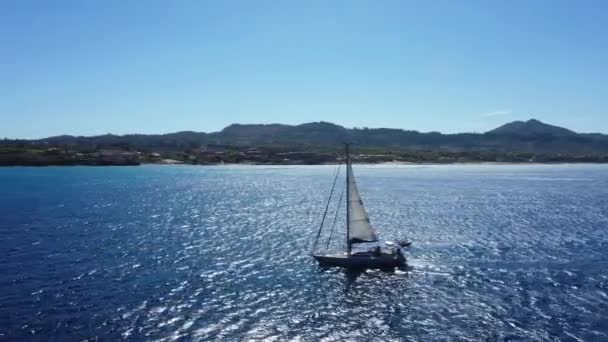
x=362 y=260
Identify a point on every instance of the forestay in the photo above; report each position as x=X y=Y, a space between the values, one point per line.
x=361 y=229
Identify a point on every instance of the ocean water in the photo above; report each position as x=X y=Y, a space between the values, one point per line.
x=501 y=252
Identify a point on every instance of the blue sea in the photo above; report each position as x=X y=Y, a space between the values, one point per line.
x=500 y=252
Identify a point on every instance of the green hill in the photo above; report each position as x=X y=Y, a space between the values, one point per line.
x=516 y=141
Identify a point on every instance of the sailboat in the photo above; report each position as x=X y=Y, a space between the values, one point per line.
x=359 y=230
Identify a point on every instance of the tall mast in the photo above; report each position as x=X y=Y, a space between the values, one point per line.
x=348 y=246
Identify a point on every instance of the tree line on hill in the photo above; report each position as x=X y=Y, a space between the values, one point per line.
x=530 y=141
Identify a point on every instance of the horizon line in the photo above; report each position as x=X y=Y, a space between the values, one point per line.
x=283 y=124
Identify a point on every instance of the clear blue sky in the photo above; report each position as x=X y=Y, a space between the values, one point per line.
x=95 y=67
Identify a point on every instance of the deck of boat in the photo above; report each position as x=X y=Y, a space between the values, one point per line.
x=361 y=260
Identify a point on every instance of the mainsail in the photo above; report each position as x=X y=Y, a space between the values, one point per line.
x=361 y=229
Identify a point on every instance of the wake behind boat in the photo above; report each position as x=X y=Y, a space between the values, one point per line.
x=358 y=230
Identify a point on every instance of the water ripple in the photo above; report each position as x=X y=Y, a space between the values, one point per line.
x=220 y=253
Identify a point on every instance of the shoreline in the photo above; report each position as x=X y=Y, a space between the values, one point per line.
x=319 y=164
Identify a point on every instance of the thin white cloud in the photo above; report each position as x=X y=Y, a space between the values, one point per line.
x=497 y=113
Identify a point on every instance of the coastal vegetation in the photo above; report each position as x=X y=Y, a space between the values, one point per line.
x=313 y=143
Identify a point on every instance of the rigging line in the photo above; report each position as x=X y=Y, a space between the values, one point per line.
x=326 y=209
x=331 y=233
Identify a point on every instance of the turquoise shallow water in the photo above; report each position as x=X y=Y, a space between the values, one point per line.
x=197 y=253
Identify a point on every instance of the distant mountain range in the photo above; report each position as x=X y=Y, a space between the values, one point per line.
x=531 y=136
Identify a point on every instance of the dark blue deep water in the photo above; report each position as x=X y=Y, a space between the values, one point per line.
x=197 y=253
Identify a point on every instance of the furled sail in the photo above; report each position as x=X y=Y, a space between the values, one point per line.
x=361 y=229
